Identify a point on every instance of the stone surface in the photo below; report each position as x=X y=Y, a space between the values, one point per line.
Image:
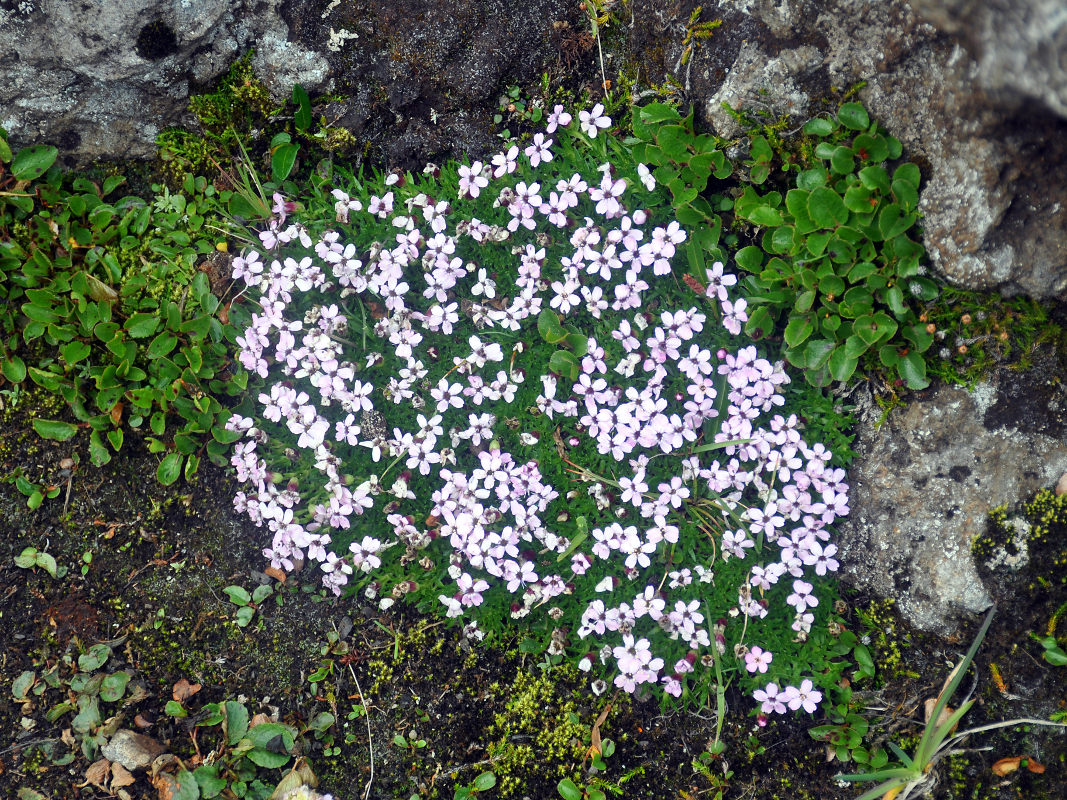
x=101 y=80
x=133 y=750
x=976 y=91
x=420 y=79
x=923 y=484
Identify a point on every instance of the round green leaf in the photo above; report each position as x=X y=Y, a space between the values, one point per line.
x=564 y=363
x=912 y=370
x=113 y=686
x=161 y=345
x=169 y=468
x=798 y=330
x=907 y=172
x=487 y=780
x=568 y=791
x=854 y=116
x=141 y=324
x=826 y=207
x=75 y=351
x=870 y=147
x=32 y=162
x=841 y=161
x=749 y=258
x=841 y=364
x=811 y=179
x=765 y=215
x=820 y=126
x=549 y=327
x=14 y=369
x=54 y=429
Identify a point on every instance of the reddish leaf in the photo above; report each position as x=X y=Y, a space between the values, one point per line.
x=183 y=690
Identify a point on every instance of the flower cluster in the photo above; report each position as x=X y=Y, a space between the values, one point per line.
x=401 y=390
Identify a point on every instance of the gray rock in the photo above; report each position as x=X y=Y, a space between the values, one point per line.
x=100 y=81
x=133 y=750
x=976 y=91
x=925 y=481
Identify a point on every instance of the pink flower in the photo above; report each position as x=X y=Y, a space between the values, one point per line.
x=593 y=120
x=757 y=660
x=771 y=699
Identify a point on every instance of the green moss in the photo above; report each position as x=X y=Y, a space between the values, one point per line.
x=887 y=643
x=1011 y=538
x=539 y=736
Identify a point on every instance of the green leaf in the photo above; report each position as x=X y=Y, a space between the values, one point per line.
x=169 y=469
x=870 y=147
x=272 y=734
x=261 y=593
x=912 y=370
x=892 y=223
x=812 y=179
x=487 y=780
x=805 y=300
x=238 y=595
x=841 y=161
x=175 y=709
x=858 y=199
x=798 y=330
x=909 y=173
x=817 y=353
x=568 y=791
x=54 y=429
x=854 y=116
x=14 y=369
x=820 y=126
x=302 y=118
x=207 y=778
x=564 y=363
x=674 y=141
x=32 y=162
x=826 y=207
x=114 y=686
x=766 y=216
x=875 y=178
x=549 y=327
x=841 y=364
x=94 y=658
x=21 y=686
x=141 y=324
x=187 y=786
x=655 y=113
x=98 y=454
x=161 y=345
x=749 y=258
x=265 y=758
x=282 y=161
x=855 y=346
x=75 y=351
x=236 y=721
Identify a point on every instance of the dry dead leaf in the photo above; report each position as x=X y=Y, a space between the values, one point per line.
x=97 y=773
x=1006 y=766
x=258 y=719
x=183 y=690
x=120 y=776
x=276 y=573
x=67 y=737
x=946 y=712
x=596 y=744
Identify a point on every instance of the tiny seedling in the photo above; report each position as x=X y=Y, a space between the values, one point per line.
x=246 y=603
